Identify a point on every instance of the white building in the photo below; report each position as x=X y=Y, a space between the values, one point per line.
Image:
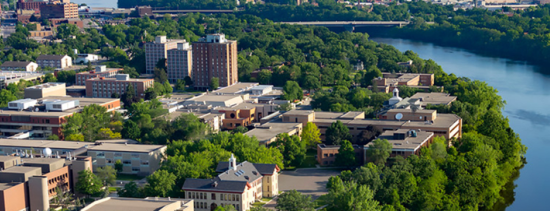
x=85 y=58
x=239 y=185
x=19 y=66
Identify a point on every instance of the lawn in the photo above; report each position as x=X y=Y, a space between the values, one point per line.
x=310 y=161
x=258 y=204
x=112 y=189
x=128 y=177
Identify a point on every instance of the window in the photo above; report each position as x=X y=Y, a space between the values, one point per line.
x=145 y=163
x=100 y=154
x=118 y=154
x=135 y=169
x=325 y=155
x=213 y=196
x=135 y=155
x=127 y=162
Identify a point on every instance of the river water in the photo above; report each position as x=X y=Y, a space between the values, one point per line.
x=97 y=3
x=525 y=91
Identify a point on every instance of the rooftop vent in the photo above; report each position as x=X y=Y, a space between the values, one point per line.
x=122 y=77
x=22 y=104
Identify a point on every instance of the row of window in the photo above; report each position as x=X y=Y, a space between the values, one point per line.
x=223 y=196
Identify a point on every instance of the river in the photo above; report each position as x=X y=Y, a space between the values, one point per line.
x=97 y=3
x=525 y=91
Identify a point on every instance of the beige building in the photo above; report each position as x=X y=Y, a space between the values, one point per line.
x=388 y=82
x=239 y=185
x=267 y=133
x=9 y=77
x=154 y=51
x=55 y=61
x=46 y=90
x=405 y=142
x=179 y=62
x=100 y=71
x=147 y=204
x=105 y=87
x=140 y=159
x=214 y=57
x=19 y=66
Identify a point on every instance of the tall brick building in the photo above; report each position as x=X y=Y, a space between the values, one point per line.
x=214 y=56
x=179 y=62
x=59 y=10
x=154 y=51
x=105 y=87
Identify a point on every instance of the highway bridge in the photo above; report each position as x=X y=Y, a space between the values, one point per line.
x=191 y=11
x=351 y=25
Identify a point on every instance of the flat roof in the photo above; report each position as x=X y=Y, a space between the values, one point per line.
x=270 y=130
x=43 y=160
x=442 y=121
x=407 y=111
x=114 y=79
x=82 y=102
x=7 y=158
x=117 y=204
x=125 y=147
x=11 y=76
x=215 y=100
x=96 y=73
x=236 y=88
x=20 y=169
x=299 y=112
x=77 y=145
x=409 y=142
x=5 y=186
x=435 y=98
x=46 y=85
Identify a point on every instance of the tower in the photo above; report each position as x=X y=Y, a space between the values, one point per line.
x=395 y=99
x=233 y=162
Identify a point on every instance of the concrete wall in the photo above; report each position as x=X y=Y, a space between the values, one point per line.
x=38 y=194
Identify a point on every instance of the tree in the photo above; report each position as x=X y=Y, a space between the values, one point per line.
x=350 y=196
x=294 y=201
x=225 y=208
x=188 y=81
x=67 y=76
x=292 y=148
x=150 y=93
x=131 y=190
x=119 y=166
x=5 y=97
x=107 y=133
x=284 y=107
x=87 y=123
x=311 y=135
x=49 y=78
x=379 y=151
x=292 y=91
x=367 y=135
x=240 y=129
x=160 y=75
x=131 y=130
x=88 y=183
x=107 y=174
x=160 y=183
x=214 y=83
x=336 y=133
x=53 y=137
x=264 y=77
x=65 y=30
x=130 y=71
x=167 y=88
x=180 y=85
x=346 y=155
x=312 y=82
x=129 y=96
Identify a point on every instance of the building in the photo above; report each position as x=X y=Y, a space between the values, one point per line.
x=448 y=126
x=30 y=5
x=46 y=90
x=179 y=62
x=100 y=71
x=326 y=154
x=214 y=57
x=9 y=77
x=267 y=133
x=105 y=87
x=147 y=204
x=406 y=142
x=41 y=34
x=239 y=185
x=29 y=182
x=59 y=10
x=205 y=113
x=389 y=81
x=84 y=58
x=45 y=116
x=139 y=159
x=157 y=50
x=55 y=61
x=144 y=11
x=73 y=21
x=19 y=66
x=434 y=98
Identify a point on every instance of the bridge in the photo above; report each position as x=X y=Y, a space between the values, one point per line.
x=191 y=11
x=350 y=25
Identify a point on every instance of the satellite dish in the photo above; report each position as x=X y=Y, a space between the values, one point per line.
x=420 y=117
x=47 y=152
x=399 y=116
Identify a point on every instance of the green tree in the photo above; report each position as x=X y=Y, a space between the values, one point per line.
x=379 y=151
x=336 y=133
x=107 y=174
x=67 y=76
x=264 y=77
x=65 y=30
x=311 y=135
x=167 y=88
x=214 y=83
x=88 y=183
x=131 y=130
x=292 y=148
x=240 y=129
x=188 y=81
x=119 y=166
x=350 y=196
x=130 y=71
x=294 y=201
x=129 y=96
x=53 y=137
x=160 y=75
x=131 y=190
x=284 y=107
x=180 y=85
x=87 y=123
x=292 y=91
x=49 y=78
x=346 y=155
x=5 y=97
x=160 y=183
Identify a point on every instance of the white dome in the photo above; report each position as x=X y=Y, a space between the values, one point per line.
x=47 y=152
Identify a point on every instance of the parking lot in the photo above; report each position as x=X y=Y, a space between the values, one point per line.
x=307 y=181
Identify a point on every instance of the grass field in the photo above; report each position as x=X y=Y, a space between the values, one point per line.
x=128 y=177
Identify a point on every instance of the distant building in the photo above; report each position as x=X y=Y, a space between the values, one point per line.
x=326 y=154
x=239 y=185
x=19 y=66
x=406 y=142
x=73 y=21
x=144 y=11
x=30 y=5
x=55 y=61
x=157 y=50
x=59 y=10
x=28 y=182
x=46 y=90
x=105 y=87
x=179 y=62
x=41 y=34
x=267 y=133
x=390 y=81
x=214 y=57
x=9 y=77
x=100 y=71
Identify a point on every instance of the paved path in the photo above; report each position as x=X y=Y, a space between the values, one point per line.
x=311 y=181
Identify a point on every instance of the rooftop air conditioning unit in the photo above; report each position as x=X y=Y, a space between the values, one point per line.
x=22 y=104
